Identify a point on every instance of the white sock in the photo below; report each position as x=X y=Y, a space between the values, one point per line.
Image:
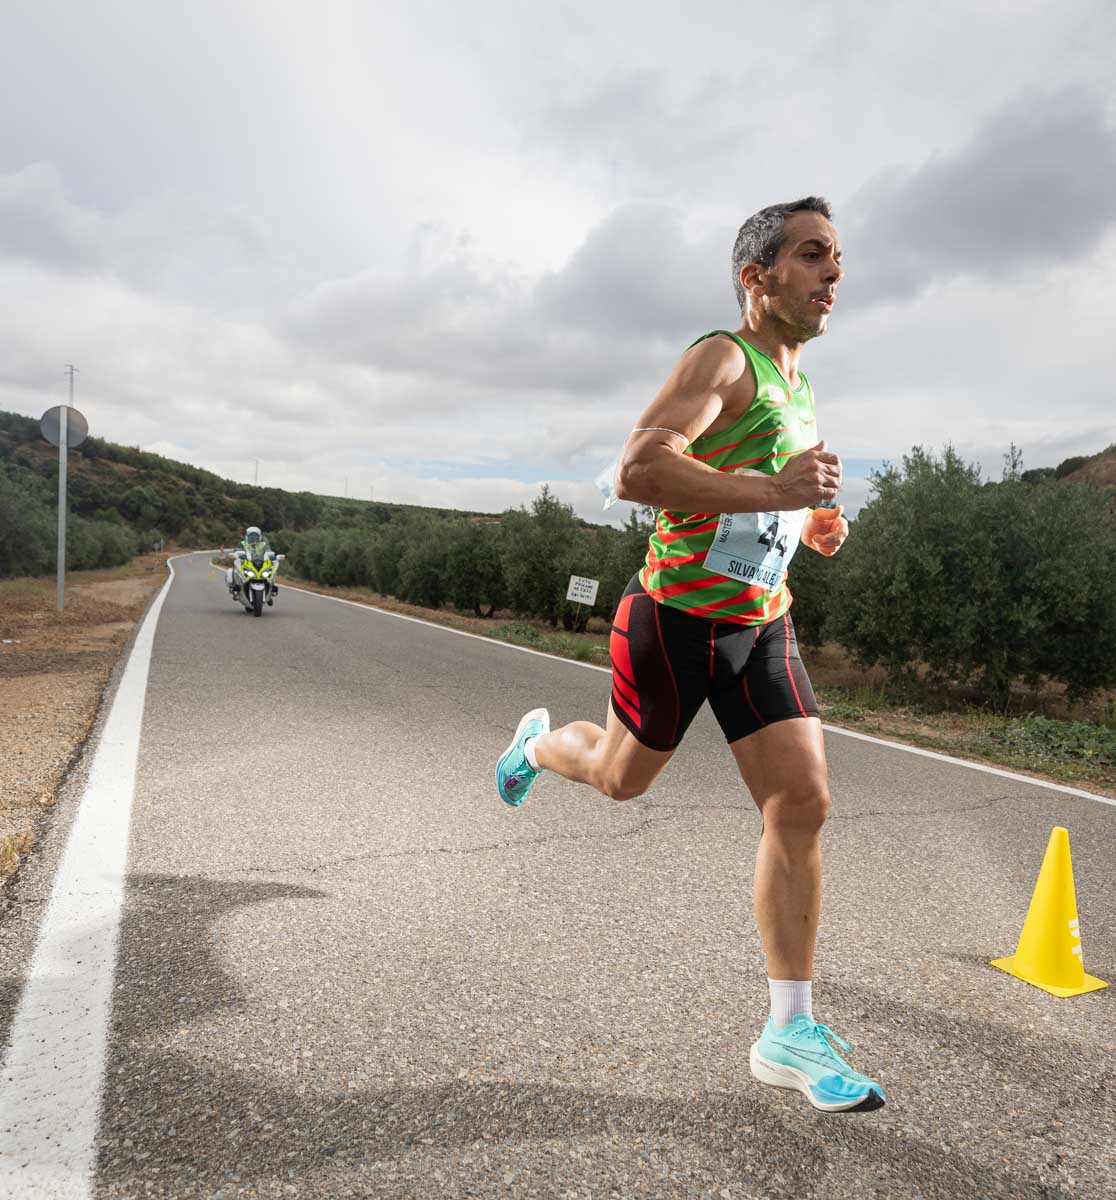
x=789 y=997
x=529 y=754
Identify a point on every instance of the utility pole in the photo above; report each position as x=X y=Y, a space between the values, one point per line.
x=346 y=487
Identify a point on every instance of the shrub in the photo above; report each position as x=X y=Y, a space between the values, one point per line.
x=984 y=582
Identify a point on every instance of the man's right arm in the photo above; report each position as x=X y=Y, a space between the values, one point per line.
x=653 y=470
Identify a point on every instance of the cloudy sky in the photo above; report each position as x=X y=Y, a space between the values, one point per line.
x=450 y=251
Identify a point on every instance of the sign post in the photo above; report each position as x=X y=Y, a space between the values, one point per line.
x=63 y=426
x=63 y=465
x=582 y=591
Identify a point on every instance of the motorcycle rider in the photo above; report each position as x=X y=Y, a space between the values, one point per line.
x=254 y=546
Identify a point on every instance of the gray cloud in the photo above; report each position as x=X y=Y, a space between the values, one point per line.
x=637 y=272
x=635 y=283
x=168 y=245
x=38 y=224
x=1035 y=186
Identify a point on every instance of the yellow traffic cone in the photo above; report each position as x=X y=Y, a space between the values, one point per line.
x=1049 y=950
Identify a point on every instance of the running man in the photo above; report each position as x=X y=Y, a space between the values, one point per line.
x=728 y=453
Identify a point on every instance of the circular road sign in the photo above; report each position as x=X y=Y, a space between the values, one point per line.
x=77 y=427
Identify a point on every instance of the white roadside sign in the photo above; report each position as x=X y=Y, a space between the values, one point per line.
x=582 y=591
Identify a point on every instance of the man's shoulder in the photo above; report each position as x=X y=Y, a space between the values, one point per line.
x=717 y=363
x=722 y=343
x=717 y=355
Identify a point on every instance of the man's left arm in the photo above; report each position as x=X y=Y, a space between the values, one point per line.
x=825 y=530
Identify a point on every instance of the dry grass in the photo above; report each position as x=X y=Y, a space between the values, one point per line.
x=53 y=671
x=833 y=667
x=12 y=849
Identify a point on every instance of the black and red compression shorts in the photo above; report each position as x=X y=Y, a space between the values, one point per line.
x=666 y=663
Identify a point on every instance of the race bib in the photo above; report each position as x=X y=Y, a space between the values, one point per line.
x=755 y=547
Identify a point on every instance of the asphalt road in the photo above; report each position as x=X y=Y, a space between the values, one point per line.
x=346 y=969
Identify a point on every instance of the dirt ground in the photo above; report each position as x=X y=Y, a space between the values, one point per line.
x=53 y=671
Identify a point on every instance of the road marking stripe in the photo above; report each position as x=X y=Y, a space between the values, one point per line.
x=50 y=1088
x=961 y=762
x=864 y=737
x=294 y=587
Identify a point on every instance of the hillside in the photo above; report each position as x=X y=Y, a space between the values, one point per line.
x=1100 y=469
x=160 y=498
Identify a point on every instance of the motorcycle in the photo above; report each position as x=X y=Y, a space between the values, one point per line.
x=251 y=580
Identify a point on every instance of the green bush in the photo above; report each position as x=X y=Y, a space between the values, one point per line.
x=537 y=556
x=474 y=574
x=424 y=561
x=29 y=532
x=981 y=582
x=810 y=580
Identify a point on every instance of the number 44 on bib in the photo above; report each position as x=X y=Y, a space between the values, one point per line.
x=755 y=547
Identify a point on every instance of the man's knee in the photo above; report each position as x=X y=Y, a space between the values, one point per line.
x=800 y=809
x=623 y=789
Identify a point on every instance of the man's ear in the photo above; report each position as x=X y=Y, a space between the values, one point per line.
x=752 y=277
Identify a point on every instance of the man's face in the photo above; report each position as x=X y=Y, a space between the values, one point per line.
x=799 y=290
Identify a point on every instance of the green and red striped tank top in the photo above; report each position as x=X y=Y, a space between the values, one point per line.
x=779 y=423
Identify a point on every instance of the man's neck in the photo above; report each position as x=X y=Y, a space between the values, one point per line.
x=777 y=342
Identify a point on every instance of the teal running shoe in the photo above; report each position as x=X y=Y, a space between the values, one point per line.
x=514 y=774
x=801 y=1055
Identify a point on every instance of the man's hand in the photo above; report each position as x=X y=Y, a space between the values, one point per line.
x=825 y=530
x=811 y=477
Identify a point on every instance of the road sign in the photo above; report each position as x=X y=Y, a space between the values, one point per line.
x=77 y=427
x=581 y=590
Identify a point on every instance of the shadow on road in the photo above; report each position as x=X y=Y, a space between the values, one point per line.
x=176 y=1123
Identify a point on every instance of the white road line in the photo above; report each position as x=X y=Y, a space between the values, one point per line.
x=50 y=1087
x=449 y=629
x=863 y=737
x=961 y=762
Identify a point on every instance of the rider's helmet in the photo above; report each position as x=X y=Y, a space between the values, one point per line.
x=253 y=534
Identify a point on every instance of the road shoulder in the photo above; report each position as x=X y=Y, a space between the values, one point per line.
x=56 y=670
